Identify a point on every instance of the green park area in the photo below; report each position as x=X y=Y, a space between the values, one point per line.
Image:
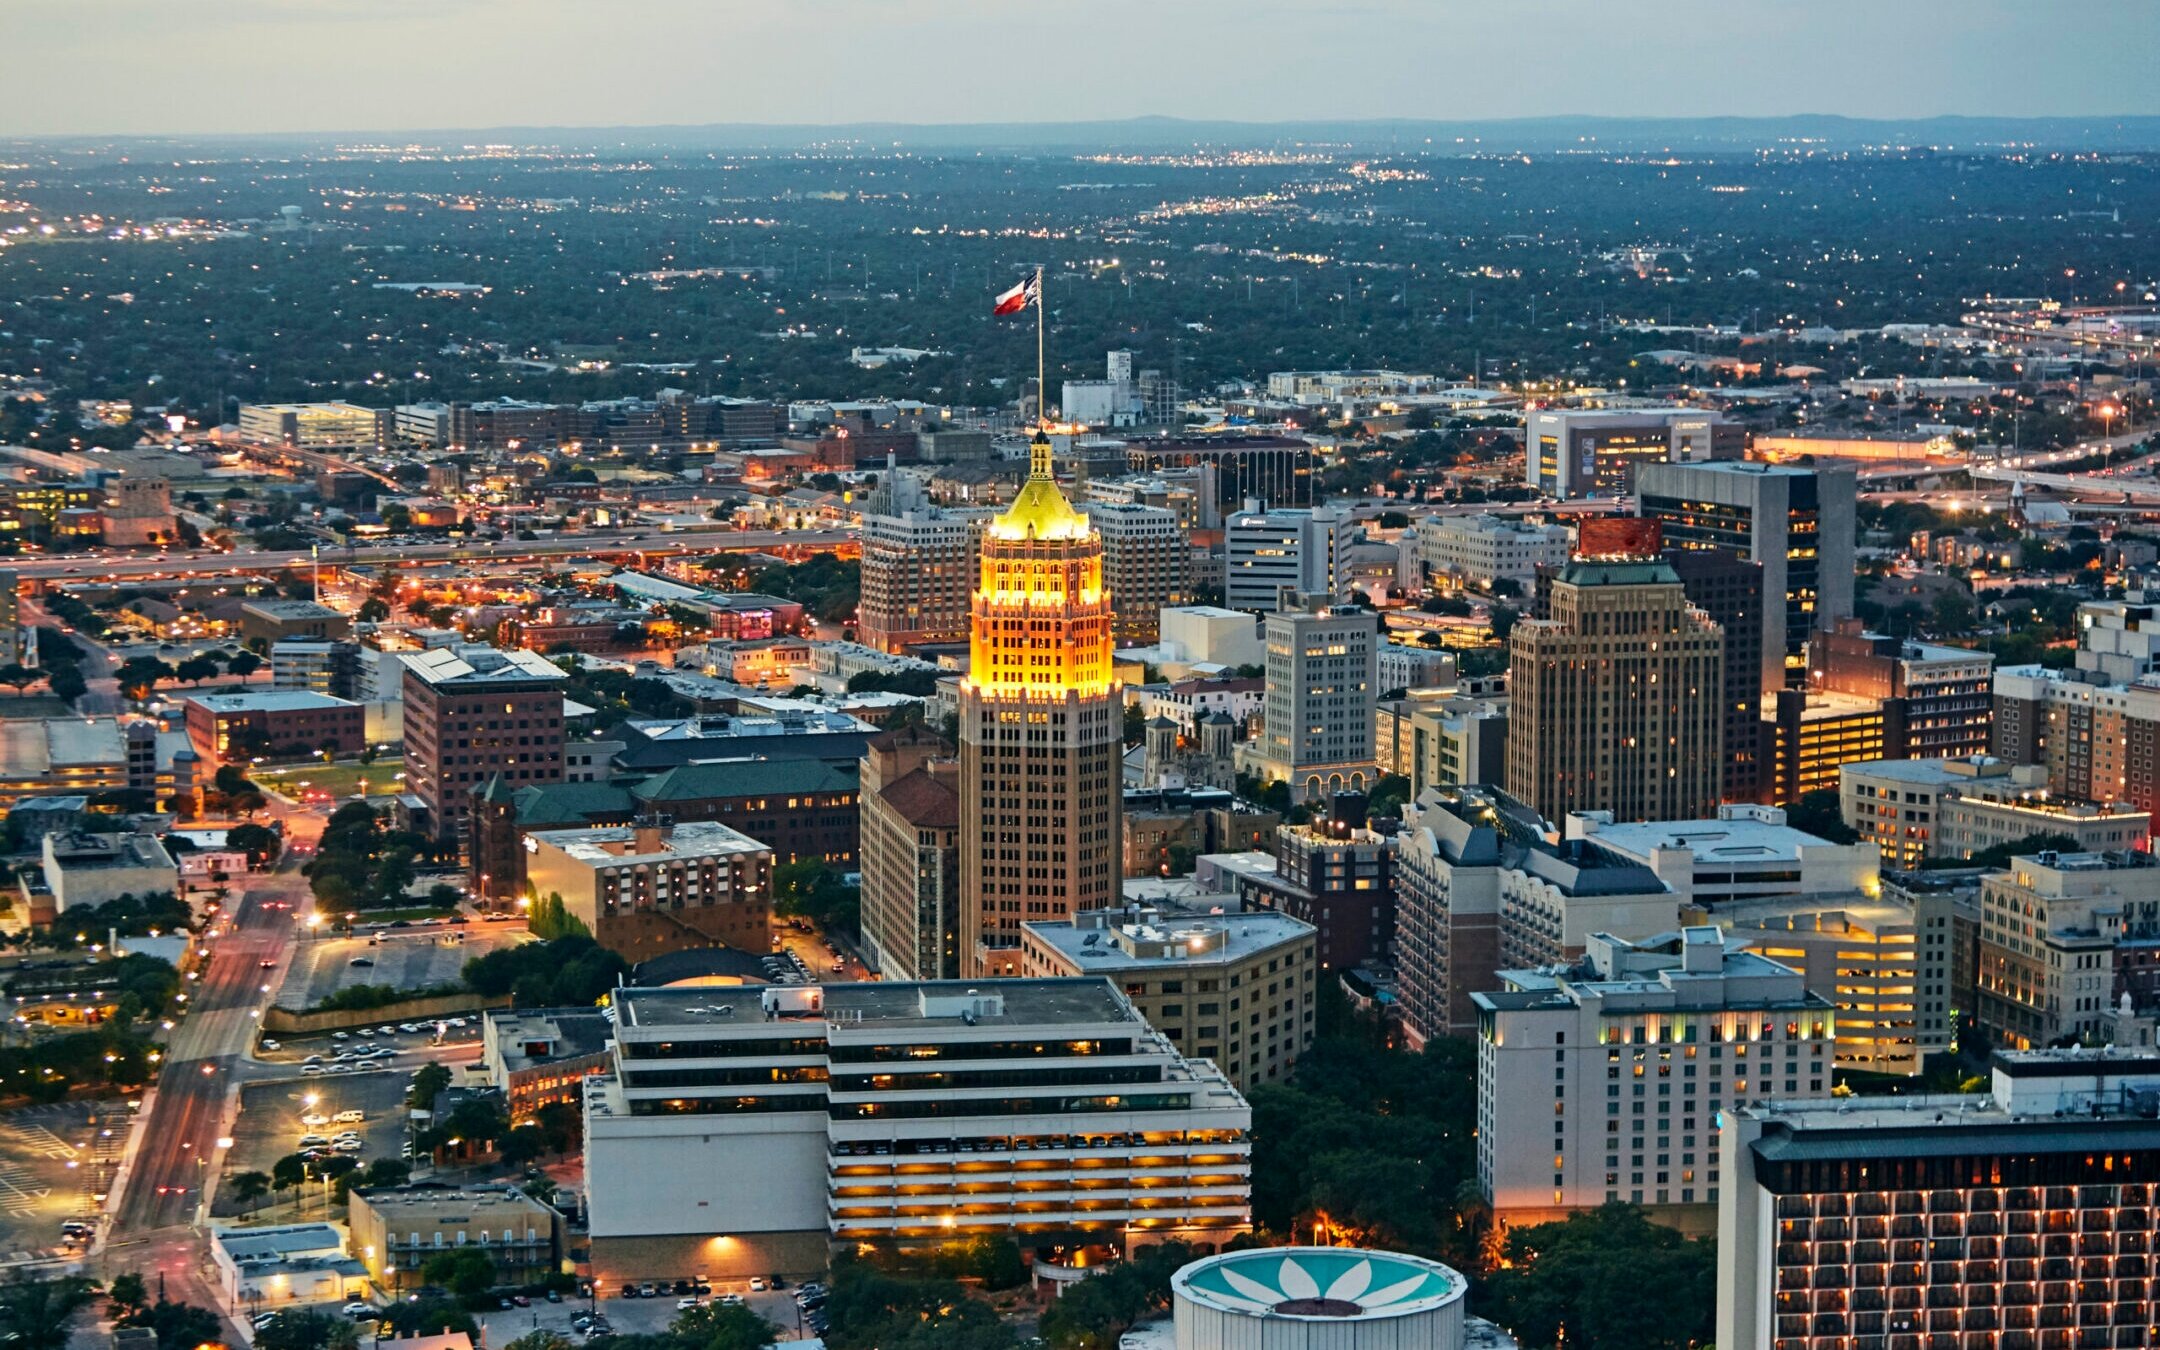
x=342 y=780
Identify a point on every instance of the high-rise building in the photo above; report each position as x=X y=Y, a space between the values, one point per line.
x=17 y=646
x=1798 y=523
x=472 y=715
x=1147 y=564
x=1317 y=724
x=1614 y=700
x=910 y=784
x=916 y=565
x=1041 y=753
x=2021 y=1217
x=1599 y=452
x=914 y=1115
x=1266 y=553
x=1609 y=1081
x=1729 y=589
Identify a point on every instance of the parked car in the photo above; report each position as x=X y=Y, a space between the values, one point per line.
x=359 y=1309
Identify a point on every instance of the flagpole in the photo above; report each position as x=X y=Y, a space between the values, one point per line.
x=1042 y=382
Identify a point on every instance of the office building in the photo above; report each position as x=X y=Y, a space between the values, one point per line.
x=396 y=1230
x=1573 y=453
x=288 y=722
x=1041 y=756
x=41 y=757
x=790 y=731
x=18 y=645
x=1269 y=552
x=2119 y=640
x=1235 y=988
x=1613 y=701
x=137 y=512
x=2021 y=1217
x=317 y=665
x=1203 y=639
x=2051 y=926
x=1730 y=590
x=85 y=870
x=1937 y=701
x=1798 y=523
x=315 y=426
x=1915 y=809
x=916 y=568
x=1316 y=731
x=1743 y=853
x=910 y=786
x=1608 y=1081
x=1167 y=827
x=471 y=717
x=901 y=1113
x=1812 y=737
x=1482 y=549
x=274 y=621
x=2097 y=741
x=1454 y=742
x=651 y=887
x=1147 y=564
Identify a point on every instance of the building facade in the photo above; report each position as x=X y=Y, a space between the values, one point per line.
x=2050 y=927
x=1614 y=700
x=910 y=785
x=649 y=888
x=1317 y=726
x=1608 y=1082
x=1482 y=549
x=473 y=716
x=916 y=566
x=1147 y=564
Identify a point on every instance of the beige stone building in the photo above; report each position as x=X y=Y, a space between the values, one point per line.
x=1147 y=563
x=394 y=1232
x=1235 y=988
x=1040 y=728
x=915 y=570
x=1615 y=698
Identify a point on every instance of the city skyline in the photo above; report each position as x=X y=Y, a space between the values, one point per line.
x=1993 y=59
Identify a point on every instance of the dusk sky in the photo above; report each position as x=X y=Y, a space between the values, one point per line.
x=117 y=66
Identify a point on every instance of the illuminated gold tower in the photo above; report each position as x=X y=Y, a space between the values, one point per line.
x=1041 y=787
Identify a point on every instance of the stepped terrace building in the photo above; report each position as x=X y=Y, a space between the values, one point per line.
x=746 y=1131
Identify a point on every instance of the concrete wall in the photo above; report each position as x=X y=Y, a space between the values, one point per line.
x=291 y=1022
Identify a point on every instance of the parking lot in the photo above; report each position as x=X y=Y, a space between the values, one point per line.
x=634 y=1316
x=419 y=957
x=54 y=1162
x=270 y=1126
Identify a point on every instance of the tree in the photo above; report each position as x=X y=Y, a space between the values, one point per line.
x=19 y=677
x=300 y=1329
x=428 y=1083
x=723 y=1326
x=180 y=1326
x=259 y=842
x=427 y=1316
x=126 y=1294
x=1819 y=814
x=288 y=1172
x=243 y=664
x=138 y=675
x=1502 y=621
x=248 y=1187
x=1606 y=1280
x=196 y=669
x=467 y=1272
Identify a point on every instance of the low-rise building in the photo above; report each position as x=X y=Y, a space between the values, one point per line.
x=277 y=1267
x=1608 y=1081
x=910 y=1114
x=1482 y=549
x=92 y=869
x=395 y=1231
x=649 y=888
x=1188 y=973
x=538 y=1057
x=275 y=621
x=241 y=726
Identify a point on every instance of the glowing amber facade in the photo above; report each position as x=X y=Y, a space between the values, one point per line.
x=1040 y=728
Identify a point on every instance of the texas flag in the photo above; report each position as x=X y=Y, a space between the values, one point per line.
x=1028 y=292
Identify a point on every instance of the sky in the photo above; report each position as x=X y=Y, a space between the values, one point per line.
x=249 y=66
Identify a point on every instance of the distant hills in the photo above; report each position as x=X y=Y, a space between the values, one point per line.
x=1159 y=134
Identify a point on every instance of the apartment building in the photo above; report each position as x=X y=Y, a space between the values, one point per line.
x=1147 y=564
x=2050 y=927
x=653 y=887
x=917 y=567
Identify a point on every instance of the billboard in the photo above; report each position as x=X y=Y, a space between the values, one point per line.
x=1617 y=537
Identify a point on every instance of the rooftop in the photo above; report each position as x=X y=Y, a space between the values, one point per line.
x=1136 y=938
x=291 y=609
x=1319 y=1284
x=479 y=668
x=885 y=1003
x=440 y=1206
x=613 y=845
x=533 y=1036
x=269 y=700
x=747 y=778
x=1738 y=839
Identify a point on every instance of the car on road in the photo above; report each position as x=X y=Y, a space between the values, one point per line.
x=361 y=961
x=311 y=1070
x=269 y=1044
x=359 y=1309
x=686 y=1304
x=344 y=1116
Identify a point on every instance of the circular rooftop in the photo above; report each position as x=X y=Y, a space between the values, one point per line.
x=1321 y=1283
